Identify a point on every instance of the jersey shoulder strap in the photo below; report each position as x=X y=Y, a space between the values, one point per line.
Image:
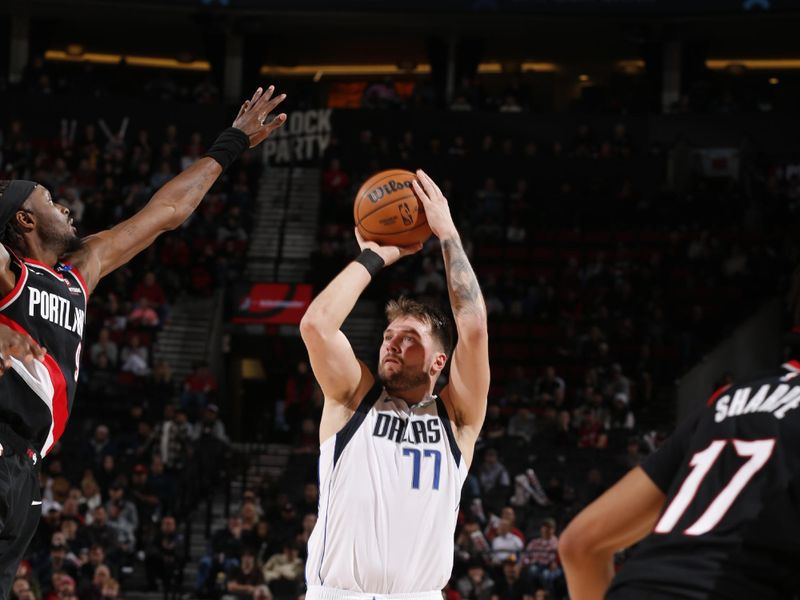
x=448 y=428
x=348 y=431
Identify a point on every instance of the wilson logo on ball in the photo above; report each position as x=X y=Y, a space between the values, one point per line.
x=387 y=188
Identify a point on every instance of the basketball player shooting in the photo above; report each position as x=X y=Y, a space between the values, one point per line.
x=393 y=456
x=46 y=276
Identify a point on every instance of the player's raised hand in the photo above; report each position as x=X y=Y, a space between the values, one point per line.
x=255 y=117
x=22 y=347
x=437 y=210
x=389 y=254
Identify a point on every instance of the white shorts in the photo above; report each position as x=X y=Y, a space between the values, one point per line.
x=318 y=592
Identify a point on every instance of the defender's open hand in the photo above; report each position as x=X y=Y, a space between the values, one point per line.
x=254 y=115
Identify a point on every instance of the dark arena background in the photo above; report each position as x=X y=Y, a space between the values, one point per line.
x=625 y=176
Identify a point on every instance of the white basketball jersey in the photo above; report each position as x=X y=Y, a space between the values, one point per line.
x=390 y=486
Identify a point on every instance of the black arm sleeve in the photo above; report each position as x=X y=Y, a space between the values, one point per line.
x=664 y=463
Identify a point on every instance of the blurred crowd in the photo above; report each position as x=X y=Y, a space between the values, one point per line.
x=608 y=268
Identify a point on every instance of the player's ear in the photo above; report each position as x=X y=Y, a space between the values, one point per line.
x=26 y=220
x=439 y=361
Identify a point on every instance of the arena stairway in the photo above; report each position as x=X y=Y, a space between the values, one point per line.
x=256 y=466
x=296 y=216
x=186 y=337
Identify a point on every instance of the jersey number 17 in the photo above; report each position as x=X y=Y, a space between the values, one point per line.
x=757 y=453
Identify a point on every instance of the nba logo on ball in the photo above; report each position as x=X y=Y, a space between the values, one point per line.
x=380 y=200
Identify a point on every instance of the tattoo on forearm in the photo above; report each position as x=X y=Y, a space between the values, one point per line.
x=462 y=285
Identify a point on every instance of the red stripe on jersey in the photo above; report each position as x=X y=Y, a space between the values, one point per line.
x=59 y=410
x=81 y=281
x=44 y=266
x=14 y=293
x=60 y=402
x=792 y=365
x=717 y=394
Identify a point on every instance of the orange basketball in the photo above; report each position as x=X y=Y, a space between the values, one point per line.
x=387 y=211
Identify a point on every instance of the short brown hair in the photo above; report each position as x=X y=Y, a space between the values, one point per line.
x=441 y=326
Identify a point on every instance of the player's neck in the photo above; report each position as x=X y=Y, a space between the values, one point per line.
x=412 y=396
x=37 y=251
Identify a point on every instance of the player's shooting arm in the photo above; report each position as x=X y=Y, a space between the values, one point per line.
x=339 y=373
x=622 y=516
x=177 y=199
x=468 y=388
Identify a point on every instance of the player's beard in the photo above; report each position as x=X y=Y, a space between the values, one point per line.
x=402 y=380
x=61 y=240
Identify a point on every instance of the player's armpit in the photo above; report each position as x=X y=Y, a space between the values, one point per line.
x=622 y=516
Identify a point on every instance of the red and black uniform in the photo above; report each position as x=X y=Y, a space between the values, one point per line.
x=35 y=400
x=730 y=526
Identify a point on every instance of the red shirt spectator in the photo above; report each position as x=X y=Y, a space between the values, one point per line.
x=201 y=380
x=150 y=290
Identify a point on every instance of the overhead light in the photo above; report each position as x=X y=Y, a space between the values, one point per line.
x=136 y=61
x=583 y=78
x=631 y=66
x=774 y=64
x=774 y=81
x=405 y=68
x=74 y=49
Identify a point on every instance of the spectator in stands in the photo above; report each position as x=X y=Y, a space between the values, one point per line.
x=198 y=388
x=172 y=438
x=105 y=345
x=165 y=556
x=493 y=476
x=509 y=586
x=297 y=396
x=471 y=544
x=549 y=386
x=541 y=551
x=617 y=383
x=620 y=416
x=57 y=561
x=243 y=580
x=143 y=495
x=149 y=289
x=283 y=572
x=127 y=517
x=309 y=504
x=126 y=536
x=522 y=424
x=144 y=315
x=135 y=357
x=505 y=544
x=163 y=484
x=225 y=549
x=21 y=589
x=476 y=584
x=100 y=533
x=99 y=445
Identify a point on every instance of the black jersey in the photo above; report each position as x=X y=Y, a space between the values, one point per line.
x=730 y=526
x=49 y=305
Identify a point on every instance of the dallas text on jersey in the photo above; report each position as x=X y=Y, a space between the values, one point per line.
x=394 y=428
